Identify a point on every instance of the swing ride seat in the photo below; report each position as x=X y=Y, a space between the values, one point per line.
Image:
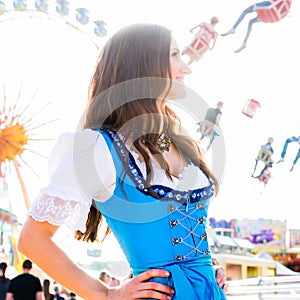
x=264 y=155
x=197 y=48
x=200 y=43
x=265 y=176
x=250 y=108
x=275 y=12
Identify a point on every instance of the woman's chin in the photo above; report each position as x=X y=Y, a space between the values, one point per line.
x=177 y=94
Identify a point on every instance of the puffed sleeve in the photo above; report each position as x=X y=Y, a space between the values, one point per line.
x=80 y=169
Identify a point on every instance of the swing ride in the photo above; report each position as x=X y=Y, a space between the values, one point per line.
x=15 y=133
x=275 y=12
x=203 y=40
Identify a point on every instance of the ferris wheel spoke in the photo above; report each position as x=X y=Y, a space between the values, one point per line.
x=31 y=169
x=35 y=114
x=43 y=124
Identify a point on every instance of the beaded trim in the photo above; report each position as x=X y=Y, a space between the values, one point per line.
x=162 y=193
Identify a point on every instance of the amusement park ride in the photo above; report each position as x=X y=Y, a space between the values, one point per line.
x=15 y=130
x=17 y=120
x=206 y=36
x=18 y=133
x=277 y=11
x=78 y=18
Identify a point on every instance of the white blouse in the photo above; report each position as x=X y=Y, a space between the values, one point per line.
x=81 y=168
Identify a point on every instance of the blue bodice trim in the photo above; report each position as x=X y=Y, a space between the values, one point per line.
x=160 y=192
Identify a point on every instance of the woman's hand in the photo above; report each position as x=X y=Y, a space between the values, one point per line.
x=139 y=288
x=221 y=279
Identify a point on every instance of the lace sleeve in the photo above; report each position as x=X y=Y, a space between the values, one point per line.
x=58 y=212
x=80 y=169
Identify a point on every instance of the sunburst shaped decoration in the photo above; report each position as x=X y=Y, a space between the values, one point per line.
x=16 y=131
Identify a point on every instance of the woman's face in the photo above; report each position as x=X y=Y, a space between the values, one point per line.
x=179 y=69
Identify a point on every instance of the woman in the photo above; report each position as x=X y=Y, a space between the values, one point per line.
x=142 y=173
x=4 y=282
x=46 y=290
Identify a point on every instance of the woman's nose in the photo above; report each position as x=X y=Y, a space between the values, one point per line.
x=186 y=68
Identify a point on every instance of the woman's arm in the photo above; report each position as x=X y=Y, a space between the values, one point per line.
x=36 y=243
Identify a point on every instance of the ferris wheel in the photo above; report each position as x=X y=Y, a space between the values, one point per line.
x=77 y=17
x=23 y=117
x=14 y=123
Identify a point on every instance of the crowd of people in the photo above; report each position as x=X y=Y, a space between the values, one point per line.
x=27 y=286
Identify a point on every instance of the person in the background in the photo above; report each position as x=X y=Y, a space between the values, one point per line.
x=212 y=118
x=125 y=165
x=25 y=286
x=204 y=39
x=264 y=155
x=72 y=296
x=268 y=145
x=293 y=139
x=248 y=10
x=58 y=295
x=46 y=290
x=4 y=282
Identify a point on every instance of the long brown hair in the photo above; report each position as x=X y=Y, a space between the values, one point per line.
x=3 y=266
x=46 y=290
x=131 y=74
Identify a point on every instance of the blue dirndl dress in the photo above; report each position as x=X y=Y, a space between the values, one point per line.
x=164 y=230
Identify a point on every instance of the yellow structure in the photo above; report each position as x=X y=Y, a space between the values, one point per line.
x=242 y=267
